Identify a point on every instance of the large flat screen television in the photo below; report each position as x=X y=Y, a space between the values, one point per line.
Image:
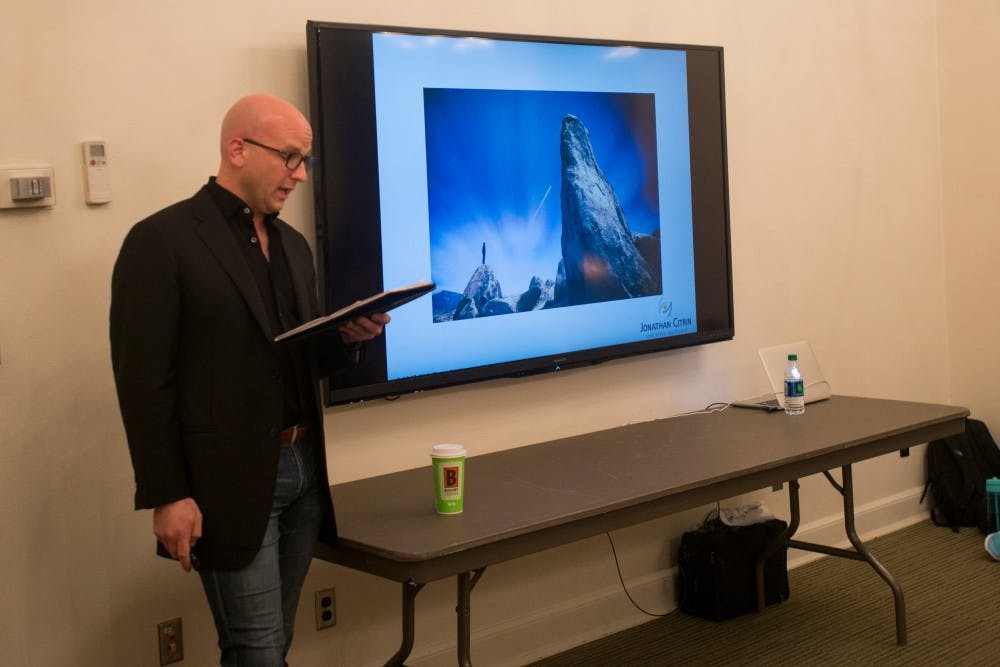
x=568 y=198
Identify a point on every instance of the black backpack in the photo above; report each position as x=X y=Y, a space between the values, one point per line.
x=957 y=469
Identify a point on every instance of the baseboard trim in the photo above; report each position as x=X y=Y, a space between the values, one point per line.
x=599 y=612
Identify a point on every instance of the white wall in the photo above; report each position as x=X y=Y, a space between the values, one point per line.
x=835 y=160
x=970 y=131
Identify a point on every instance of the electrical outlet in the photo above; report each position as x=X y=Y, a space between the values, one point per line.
x=326 y=608
x=170 y=635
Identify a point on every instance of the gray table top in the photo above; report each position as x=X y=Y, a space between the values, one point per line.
x=525 y=499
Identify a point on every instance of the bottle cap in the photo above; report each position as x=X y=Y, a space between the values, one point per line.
x=793 y=357
x=993 y=485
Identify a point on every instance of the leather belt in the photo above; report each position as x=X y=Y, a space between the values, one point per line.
x=294 y=434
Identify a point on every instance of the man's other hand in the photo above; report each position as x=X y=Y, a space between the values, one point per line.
x=177 y=526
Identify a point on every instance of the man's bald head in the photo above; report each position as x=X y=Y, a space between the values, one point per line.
x=248 y=171
x=259 y=114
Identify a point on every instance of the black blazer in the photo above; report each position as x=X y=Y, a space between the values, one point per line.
x=197 y=374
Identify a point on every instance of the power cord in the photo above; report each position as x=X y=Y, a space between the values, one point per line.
x=711 y=407
x=614 y=552
x=622 y=580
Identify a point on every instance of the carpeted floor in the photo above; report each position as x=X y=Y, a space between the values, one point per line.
x=840 y=612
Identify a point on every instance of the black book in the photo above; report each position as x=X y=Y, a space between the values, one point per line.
x=382 y=302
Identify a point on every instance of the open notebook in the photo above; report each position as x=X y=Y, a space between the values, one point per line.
x=774 y=359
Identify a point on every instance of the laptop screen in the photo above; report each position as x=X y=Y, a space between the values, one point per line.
x=775 y=358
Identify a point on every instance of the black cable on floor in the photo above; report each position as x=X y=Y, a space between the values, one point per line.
x=624 y=588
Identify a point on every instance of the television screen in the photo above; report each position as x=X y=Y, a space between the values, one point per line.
x=568 y=198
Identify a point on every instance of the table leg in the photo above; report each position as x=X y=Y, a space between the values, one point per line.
x=852 y=535
x=860 y=550
x=779 y=542
x=410 y=590
x=463 y=612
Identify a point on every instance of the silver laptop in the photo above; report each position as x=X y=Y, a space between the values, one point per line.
x=774 y=359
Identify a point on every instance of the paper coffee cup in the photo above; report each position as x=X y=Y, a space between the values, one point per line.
x=448 y=462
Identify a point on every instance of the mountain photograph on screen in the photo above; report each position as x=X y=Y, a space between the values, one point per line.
x=540 y=199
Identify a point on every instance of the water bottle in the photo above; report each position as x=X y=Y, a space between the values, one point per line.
x=795 y=390
x=993 y=505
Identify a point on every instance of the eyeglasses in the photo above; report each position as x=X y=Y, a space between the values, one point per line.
x=292 y=160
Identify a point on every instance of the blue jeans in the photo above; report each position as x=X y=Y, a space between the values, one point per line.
x=254 y=607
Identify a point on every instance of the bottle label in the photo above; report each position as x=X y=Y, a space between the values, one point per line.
x=794 y=388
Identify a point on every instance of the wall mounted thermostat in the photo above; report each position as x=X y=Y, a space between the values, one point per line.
x=96 y=172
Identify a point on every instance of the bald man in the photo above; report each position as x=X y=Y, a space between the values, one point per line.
x=224 y=426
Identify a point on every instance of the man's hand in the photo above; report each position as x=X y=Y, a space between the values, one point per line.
x=178 y=526
x=361 y=329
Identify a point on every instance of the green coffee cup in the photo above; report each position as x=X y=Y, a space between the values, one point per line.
x=448 y=462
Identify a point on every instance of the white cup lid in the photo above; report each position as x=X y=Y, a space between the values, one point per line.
x=447 y=451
